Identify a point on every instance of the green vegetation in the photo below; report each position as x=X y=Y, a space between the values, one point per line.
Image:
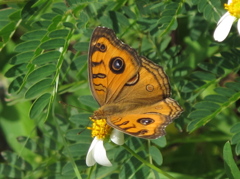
x=43 y=60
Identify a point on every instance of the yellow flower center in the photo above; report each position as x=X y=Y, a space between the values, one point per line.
x=233 y=8
x=100 y=128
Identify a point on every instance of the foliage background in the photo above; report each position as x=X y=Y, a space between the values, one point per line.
x=43 y=60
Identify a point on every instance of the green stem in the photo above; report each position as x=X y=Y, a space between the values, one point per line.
x=147 y=163
x=72 y=161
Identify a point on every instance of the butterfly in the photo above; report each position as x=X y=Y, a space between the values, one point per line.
x=132 y=91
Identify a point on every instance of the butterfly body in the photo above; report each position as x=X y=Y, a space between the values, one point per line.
x=133 y=92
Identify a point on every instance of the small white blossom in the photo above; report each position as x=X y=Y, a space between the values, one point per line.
x=225 y=23
x=117 y=137
x=97 y=153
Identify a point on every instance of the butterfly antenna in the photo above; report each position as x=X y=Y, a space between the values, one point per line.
x=65 y=104
x=83 y=129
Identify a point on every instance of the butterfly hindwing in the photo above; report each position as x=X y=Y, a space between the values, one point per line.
x=148 y=121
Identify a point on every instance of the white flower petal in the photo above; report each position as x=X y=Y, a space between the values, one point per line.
x=238 y=26
x=117 y=137
x=223 y=17
x=90 y=161
x=223 y=28
x=229 y=1
x=99 y=154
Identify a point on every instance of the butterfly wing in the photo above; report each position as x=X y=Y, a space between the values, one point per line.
x=111 y=65
x=147 y=122
x=152 y=85
x=134 y=93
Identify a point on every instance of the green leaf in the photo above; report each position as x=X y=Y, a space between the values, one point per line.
x=77 y=149
x=123 y=20
x=81 y=46
x=207 y=11
x=6 y=12
x=203 y=76
x=215 y=69
x=193 y=125
x=15 y=85
x=160 y=142
x=191 y=86
x=68 y=24
x=28 y=143
x=59 y=33
x=34 y=35
x=206 y=105
x=199 y=114
x=235 y=128
x=41 y=73
x=225 y=91
x=38 y=88
x=15 y=16
x=47 y=57
x=129 y=12
x=39 y=105
x=27 y=46
x=237 y=149
x=28 y=10
x=216 y=98
x=79 y=62
x=209 y=8
x=68 y=171
x=228 y=64
x=156 y=155
x=48 y=16
x=236 y=138
x=7 y=30
x=52 y=44
x=3 y=23
x=62 y=6
x=21 y=58
x=41 y=24
x=89 y=101
x=102 y=171
x=230 y=166
x=165 y=19
x=168 y=12
x=172 y=6
x=16 y=70
x=50 y=143
x=82 y=135
x=83 y=17
x=233 y=85
x=81 y=119
x=10 y=172
x=15 y=161
x=129 y=168
x=201 y=5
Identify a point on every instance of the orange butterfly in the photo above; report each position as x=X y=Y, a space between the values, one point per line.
x=133 y=92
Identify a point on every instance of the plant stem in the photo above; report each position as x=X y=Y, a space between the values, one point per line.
x=147 y=163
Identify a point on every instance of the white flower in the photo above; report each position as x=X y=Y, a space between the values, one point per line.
x=117 y=137
x=225 y=23
x=97 y=153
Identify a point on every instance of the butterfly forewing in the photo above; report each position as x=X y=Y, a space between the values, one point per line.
x=111 y=65
x=151 y=86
